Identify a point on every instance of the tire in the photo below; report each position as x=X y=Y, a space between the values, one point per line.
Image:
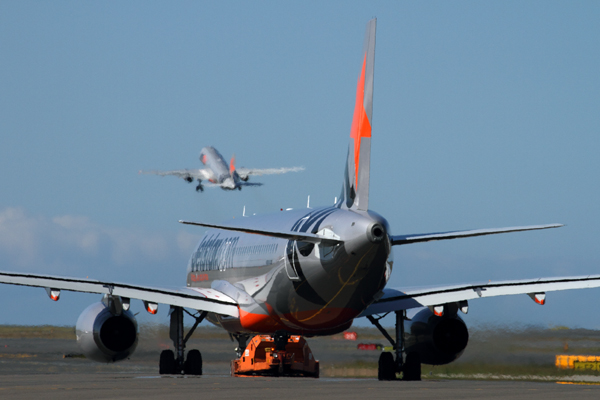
x=387 y=367
x=193 y=364
x=316 y=373
x=412 y=367
x=166 y=365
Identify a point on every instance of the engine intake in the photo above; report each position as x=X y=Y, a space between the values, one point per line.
x=105 y=335
x=438 y=340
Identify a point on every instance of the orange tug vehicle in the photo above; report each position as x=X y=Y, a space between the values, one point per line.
x=265 y=355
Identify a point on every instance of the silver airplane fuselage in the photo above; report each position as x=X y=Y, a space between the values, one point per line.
x=220 y=172
x=299 y=287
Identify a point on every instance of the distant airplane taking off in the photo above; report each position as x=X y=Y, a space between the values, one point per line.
x=218 y=174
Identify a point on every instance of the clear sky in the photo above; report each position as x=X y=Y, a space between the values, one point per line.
x=486 y=114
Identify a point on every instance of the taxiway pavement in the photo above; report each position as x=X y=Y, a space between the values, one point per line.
x=147 y=387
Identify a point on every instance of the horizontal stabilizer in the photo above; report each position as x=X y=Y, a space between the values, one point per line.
x=426 y=237
x=300 y=236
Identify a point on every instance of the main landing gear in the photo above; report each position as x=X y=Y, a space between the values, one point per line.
x=199 y=188
x=388 y=365
x=171 y=364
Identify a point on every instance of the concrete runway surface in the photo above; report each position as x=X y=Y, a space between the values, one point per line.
x=132 y=386
x=32 y=366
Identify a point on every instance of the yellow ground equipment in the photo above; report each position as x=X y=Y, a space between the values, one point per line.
x=586 y=363
x=262 y=357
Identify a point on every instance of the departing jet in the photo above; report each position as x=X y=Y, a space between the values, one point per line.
x=303 y=272
x=218 y=174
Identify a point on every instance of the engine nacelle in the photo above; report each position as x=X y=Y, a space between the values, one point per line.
x=105 y=335
x=438 y=340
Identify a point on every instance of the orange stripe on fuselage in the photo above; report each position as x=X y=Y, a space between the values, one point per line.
x=302 y=323
x=265 y=323
x=361 y=127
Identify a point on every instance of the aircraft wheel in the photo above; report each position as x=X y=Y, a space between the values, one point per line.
x=193 y=364
x=316 y=373
x=386 y=370
x=412 y=367
x=167 y=363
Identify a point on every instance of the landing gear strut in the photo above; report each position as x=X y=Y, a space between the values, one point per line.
x=390 y=365
x=242 y=340
x=171 y=364
x=199 y=188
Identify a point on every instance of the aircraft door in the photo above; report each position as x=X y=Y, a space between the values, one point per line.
x=291 y=261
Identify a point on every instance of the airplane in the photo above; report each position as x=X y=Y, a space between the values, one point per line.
x=308 y=272
x=218 y=174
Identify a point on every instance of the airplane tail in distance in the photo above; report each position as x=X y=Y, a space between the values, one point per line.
x=355 y=190
x=232 y=165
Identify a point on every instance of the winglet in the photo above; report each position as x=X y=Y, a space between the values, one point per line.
x=355 y=191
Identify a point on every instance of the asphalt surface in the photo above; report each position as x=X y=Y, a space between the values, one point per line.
x=36 y=367
x=139 y=386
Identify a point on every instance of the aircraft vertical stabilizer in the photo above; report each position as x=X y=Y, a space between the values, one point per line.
x=355 y=191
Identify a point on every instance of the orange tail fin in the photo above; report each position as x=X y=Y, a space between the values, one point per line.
x=355 y=191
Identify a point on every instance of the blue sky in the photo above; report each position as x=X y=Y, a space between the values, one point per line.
x=485 y=115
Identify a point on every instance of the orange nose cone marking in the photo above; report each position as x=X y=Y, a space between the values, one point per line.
x=361 y=127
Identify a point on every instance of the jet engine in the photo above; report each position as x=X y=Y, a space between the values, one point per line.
x=437 y=340
x=106 y=332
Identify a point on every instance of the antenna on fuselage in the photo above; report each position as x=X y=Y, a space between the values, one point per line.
x=244 y=212
x=308 y=202
x=335 y=200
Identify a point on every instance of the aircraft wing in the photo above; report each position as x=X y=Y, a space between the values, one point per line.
x=195 y=298
x=187 y=174
x=403 y=299
x=426 y=237
x=267 y=171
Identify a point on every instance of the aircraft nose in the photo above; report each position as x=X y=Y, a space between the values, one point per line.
x=376 y=232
